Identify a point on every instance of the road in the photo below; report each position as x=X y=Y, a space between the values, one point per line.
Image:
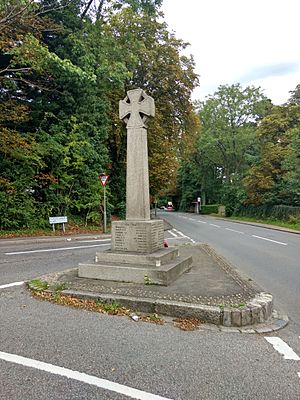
x=48 y=351
x=270 y=257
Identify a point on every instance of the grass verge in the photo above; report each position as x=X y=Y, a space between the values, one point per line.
x=267 y=222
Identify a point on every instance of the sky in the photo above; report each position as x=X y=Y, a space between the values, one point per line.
x=251 y=42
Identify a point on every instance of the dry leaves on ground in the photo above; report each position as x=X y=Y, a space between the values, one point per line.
x=187 y=324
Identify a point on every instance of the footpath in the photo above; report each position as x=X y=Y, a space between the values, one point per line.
x=213 y=291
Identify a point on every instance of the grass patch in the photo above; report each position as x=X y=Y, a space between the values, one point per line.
x=268 y=222
x=37 y=285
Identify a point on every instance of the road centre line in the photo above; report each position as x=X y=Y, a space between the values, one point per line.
x=49 y=250
x=202 y=222
x=81 y=377
x=269 y=240
x=217 y=226
x=11 y=285
x=282 y=348
x=233 y=230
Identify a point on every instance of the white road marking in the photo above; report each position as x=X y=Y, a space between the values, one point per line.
x=49 y=250
x=298 y=374
x=217 y=226
x=179 y=233
x=202 y=222
x=283 y=348
x=93 y=241
x=173 y=234
x=175 y=238
x=269 y=240
x=81 y=377
x=233 y=230
x=11 y=285
x=184 y=236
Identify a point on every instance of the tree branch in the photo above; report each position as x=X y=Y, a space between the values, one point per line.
x=15 y=69
x=86 y=9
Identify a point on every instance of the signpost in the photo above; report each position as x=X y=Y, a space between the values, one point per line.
x=103 y=179
x=58 y=220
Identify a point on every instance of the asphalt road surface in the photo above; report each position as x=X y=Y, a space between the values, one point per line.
x=270 y=257
x=48 y=351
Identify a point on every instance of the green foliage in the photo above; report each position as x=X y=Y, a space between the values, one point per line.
x=110 y=308
x=170 y=81
x=225 y=147
x=274 y=178
x=210 y=209
x=267 y=211
x=38 y=285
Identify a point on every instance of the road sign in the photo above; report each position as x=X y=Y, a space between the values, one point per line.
x=58 y=220
x=103 y=179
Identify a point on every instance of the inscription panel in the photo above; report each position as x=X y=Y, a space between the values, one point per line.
x=137 y=236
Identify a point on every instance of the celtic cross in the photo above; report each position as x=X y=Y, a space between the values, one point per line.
x=135 y=110
x=139 y=106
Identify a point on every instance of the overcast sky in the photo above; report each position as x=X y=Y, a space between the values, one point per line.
x=253 y=42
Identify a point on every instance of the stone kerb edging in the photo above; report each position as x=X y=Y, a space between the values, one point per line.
x=257 y=311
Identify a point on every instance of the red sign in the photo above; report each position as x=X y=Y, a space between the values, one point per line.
x=103 y=179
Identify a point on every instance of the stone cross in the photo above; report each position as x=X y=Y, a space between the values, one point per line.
x=135 y=110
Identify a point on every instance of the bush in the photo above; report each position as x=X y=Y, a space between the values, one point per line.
x=210 y=209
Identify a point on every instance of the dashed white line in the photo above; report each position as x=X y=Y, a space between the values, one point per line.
x=49 y=250
x=11 y=285
x=269 y=240
x=282 y=348
x=81 y=377
x=202 y=222
x=233 y=230
x=217 y=226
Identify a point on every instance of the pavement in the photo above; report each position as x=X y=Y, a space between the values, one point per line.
x=213 y=291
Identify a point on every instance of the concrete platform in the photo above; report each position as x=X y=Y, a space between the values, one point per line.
x=159 y=268
x=212 y=290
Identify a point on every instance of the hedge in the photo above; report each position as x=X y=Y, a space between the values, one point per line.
x=278 y=212
x=210 y=209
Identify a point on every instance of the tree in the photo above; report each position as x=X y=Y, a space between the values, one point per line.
x=274 y=178
x=57 y=97
x=152 y=55
x=226 y=142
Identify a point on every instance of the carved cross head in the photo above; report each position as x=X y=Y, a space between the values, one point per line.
x=136 y=109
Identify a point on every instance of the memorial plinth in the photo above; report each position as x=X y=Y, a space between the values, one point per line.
x=137 y=248
x=137 y=236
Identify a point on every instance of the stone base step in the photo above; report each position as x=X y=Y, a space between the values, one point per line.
x=136 y=273
x=158 y=258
